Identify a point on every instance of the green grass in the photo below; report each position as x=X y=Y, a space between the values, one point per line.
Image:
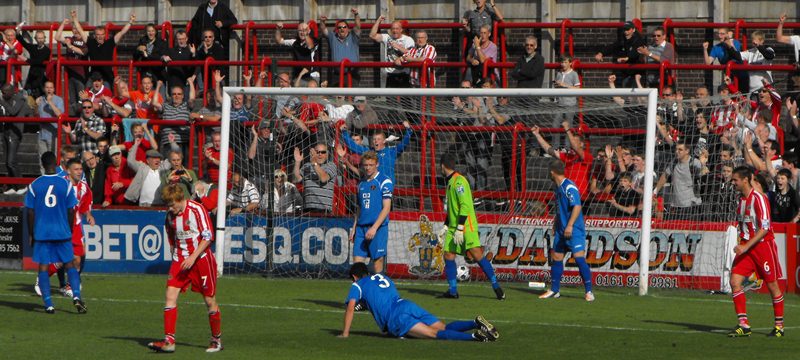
x=298 y=319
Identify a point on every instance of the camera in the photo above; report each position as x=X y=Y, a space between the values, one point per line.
x=180 y=172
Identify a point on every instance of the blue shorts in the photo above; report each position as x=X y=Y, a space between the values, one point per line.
x=574 y=244
x=373 y=249
x=405 y=315
x=52 y=252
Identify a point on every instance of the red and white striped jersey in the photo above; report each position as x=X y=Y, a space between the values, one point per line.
x=426 y=52
x=185 y=231
x=754 y=214
x=84 y=195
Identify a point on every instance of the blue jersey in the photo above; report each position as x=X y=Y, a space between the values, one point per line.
x=380 y=294
x=51 y=197
x=567 y=197
x=371 y=194
x=387 y=157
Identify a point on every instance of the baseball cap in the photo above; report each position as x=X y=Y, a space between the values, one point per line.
x=360 y=99
x=154 y=154
x=628 y=25
x=95 y=76
x=114 y=150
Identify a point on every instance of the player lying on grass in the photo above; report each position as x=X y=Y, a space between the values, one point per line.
x=400 y=317
x=190 y=236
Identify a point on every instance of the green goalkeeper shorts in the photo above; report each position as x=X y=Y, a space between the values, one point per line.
x=471 y=240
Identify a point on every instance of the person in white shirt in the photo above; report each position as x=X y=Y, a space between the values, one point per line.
x=397 y=45
x=286 y=199
x=758 y=54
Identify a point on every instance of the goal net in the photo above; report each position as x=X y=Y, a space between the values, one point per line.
x=291 y=192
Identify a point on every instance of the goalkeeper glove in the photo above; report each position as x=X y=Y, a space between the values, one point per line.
x=458 y=235
x=442 y=234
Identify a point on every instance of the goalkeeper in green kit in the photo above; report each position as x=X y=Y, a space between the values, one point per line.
x=460 y=231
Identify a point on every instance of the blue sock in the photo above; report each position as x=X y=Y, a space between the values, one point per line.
x=450 y=273
x=556 y=272
x=488 y=269
x=74 y=282
x=461 y=326
x=586 y=273
x=44 y=286
x=454 y=335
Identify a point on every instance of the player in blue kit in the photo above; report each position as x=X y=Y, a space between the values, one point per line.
x=569 y=233
x=51 y=204
x=370 y=231
x=400 y=317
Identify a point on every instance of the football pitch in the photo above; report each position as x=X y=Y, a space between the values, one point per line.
x=299 y=319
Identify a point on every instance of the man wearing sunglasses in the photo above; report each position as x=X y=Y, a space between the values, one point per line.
x=659 y=52
x=529 y=70
x=317 y=175
x=88 y=128
x=343 y=45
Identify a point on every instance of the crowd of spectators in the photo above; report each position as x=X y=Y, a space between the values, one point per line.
x=282 y=151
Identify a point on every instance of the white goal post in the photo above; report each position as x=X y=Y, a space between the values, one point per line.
x=651 y=105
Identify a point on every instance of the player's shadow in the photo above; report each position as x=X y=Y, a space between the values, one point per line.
x=422 y=291
x=695 y=327
x=22 y=305
x=144 y=341
x=326 y=303
x=336 y=332
x=24 y=287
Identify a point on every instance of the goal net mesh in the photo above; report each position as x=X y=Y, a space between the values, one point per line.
x=301 y=223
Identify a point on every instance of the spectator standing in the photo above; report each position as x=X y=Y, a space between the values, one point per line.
x=210 y=48
x=100 y=49
x=212 y=157
x=88 y=128
x=75 y=50
x=304 y=47
x=624 y=51
x=317 y=176
x=11 y=48
x=261 y=154
x=387 y=155
x=362 y=115
x=140 y=131
x=118 y=178
x=396 y=46
x=147 y=100
x=344 y=45
x=120 y=106
x=176 y=109
x=145 y=188
x=726 y=50
x=12 y=104
x=785 y=204
x=94 y=173
x=482 y=15
x=217 y=17
x=661 y=51
x=567 y=78
x=38 y=55
x=626 y=200
x=793 y=40
x=758 y=54
x=529 y=69
x=182 y=51
x=95 y=92
x=482 y=51
x=150 y=48
x=577 y=161
x=422 y=51
x=49 y=106
x=683 y=202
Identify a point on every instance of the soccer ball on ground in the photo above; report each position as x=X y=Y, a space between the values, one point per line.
x=462 y=273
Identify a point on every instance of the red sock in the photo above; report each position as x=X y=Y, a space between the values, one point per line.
x=170 y=318
x=740 y=305
x=777 y=306
x=52 y=269
x=215 y=320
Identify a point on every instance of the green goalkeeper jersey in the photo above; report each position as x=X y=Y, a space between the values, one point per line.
x=458 y=203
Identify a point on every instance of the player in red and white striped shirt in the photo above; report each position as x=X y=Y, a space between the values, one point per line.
x=84 y=207
x=756 y=252
x=190 y=236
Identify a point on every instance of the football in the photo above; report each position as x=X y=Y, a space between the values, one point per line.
x=462 y=273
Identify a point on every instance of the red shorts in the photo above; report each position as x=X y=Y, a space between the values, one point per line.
x=761 y=258
x=202 y=276
x=77 y=241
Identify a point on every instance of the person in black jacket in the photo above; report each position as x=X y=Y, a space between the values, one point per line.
x=529 y=71
x=625 y=51
x=39 y=55
x=182 y=51
x=304 y=48
x=210 y=48
x=217 y=17
x=150 y=48
x=94 y=171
